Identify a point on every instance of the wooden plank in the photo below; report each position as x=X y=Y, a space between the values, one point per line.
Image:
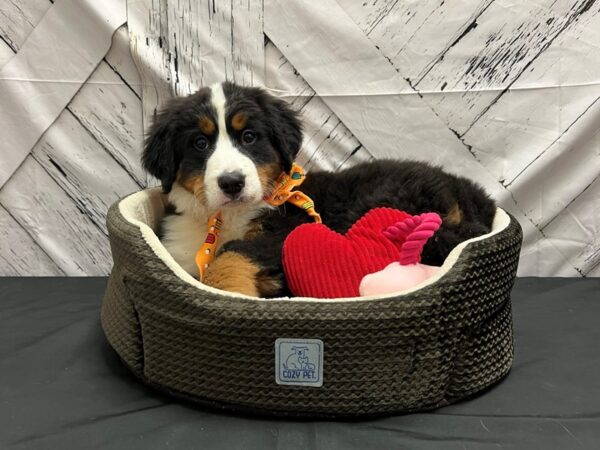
x=556 y=91
x=120 y=60
x=576 y=231
x=112 y=113
x=25 y=87
x=480 y=66
x=109 y=112
x=539 y=259
x=368 y=98
x=5 y=53
x=148 y=34
x=282 y=80
x=414 y=35
x=541 y=190
x=77 y=163
x=18 y=18
x=19 y=254
x=105 y=107
x=362 y=88
x=181 y=46
x=75 y=160
x=211 y=42
x=64 y=232
x=328 y=144
x=594 y=273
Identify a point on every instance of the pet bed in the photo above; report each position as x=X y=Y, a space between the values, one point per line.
x=440 y=342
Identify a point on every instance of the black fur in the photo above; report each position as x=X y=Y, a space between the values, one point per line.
x=344 y=197
x=285 y=131
x=169 y=144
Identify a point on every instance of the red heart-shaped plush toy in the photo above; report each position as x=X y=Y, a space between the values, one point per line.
x=319 y=262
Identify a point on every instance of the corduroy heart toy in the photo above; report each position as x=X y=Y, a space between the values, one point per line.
x=321 y=263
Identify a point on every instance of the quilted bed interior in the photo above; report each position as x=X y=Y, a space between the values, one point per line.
x=145 y=209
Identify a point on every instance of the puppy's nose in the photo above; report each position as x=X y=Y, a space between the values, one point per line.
x=231 y=183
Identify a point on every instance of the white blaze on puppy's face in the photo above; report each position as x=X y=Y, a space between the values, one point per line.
x=227 y=159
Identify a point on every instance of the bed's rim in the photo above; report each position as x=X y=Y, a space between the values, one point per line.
x=127 y=205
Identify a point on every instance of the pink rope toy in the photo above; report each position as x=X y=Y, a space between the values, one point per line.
x=414 y=233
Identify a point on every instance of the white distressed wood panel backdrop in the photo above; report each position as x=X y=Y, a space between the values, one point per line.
x=507 y=93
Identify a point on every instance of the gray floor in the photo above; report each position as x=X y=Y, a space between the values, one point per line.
x=61 y=385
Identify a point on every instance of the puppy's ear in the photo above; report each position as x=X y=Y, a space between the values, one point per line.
x=285 y=129
x=159 y=157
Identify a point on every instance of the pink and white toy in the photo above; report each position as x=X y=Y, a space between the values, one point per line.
x=407 y=272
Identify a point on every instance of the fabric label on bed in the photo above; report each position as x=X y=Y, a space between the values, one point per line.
x=299 y=362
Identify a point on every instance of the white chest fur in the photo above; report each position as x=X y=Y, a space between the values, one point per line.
x=184 y=233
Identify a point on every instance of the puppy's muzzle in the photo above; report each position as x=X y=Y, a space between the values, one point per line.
x=232 y=184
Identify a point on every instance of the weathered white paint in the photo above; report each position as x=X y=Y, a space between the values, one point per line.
x=5 y=54
x=26 y=85
x=112 y=113
x=557 y=90
x=474 y=72
x=79 y=164
x=576 y=230
x=414 y=34
x=18 y=18
x=328 y=144
x=107 y=111
x=120 y=60
x=148 y=31
x=366 y=96
x=212 y=41
x=561 y=173
x=181 y=46
x=595 y=272
x=19 y=253
x=65 y=233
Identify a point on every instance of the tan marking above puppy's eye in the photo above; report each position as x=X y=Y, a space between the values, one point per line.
x=239 y=121
x=206 y=125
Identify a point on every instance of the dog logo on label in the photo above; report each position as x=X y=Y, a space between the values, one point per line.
x=299 y=362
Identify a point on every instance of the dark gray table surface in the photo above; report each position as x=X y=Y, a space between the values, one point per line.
x=62 y=386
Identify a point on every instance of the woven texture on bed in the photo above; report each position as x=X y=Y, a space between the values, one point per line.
x=420 y=350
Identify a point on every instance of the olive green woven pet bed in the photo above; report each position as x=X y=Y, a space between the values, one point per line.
x=428 y=347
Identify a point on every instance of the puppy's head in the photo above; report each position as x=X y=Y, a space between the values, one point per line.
x=226 y=144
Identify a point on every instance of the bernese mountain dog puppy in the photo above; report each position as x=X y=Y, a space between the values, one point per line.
x=224 y=147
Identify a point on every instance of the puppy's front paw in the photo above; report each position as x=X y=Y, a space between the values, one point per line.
x=233 y=272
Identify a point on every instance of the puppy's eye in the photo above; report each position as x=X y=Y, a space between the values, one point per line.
x=201 y=143
x=248 y=137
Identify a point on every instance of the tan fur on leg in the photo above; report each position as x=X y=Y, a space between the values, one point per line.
x=233 y=272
